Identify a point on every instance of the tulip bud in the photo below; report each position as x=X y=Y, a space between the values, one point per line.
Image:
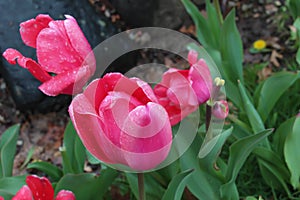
x=220 y=109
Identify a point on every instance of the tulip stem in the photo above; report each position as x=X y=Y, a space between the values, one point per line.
x=208 y=117
x=141 y=186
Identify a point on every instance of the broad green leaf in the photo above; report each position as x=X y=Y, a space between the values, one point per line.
x=214 y=25
x=92 y=159
x=202 y=28
x=87 y=186
x=8 y=142
x=292 y=153
x=51 y=170
x=272 y=168
x=272 y=176
x=5 y=194
x=298 y=56
x=12 y=184
x=280 y=135
x=210 y=150
x=238 y=153
x=203 y=184
x=294 y=6
x=153 y=189
x=253 y=116
x=73 y=151
x=232 y=49
x=167 y=173
x=279 y=82
x=176 y=186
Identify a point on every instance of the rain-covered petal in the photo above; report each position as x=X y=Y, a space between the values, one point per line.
x=12 y=55
x=40 y=187
x=30 y=29
x=70 y=82
x=23 y=194
x=65 y=195
x=55 y=53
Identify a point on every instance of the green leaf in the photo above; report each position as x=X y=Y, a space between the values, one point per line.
x=298 y=56
x=202 y=28
x=210 y=149
x=8 y=147
x=238 y=153
x=73 y=151
x=92 y=159
x=253 y=116
x=294 y=6
x=272 y=168
x=153 y=189
x=214 y=25
x=203 y=184
x=292 y=152
x=279 y=82
x=232 y=49
x=51 y=170
x=87 y=186
x=176 y=186
x=28 y=157
x=280 y=135
x=11 y=185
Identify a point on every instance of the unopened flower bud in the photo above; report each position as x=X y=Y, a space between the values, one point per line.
x=220 y=109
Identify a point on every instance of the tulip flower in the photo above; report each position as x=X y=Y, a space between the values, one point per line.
x=63 y=53
x=41 y=189
x=120 y=121
x=176 y=95
x=182 y=91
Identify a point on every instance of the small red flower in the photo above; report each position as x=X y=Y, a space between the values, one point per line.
x=40 y=188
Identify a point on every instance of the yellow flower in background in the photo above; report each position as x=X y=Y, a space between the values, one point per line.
x=259 y=44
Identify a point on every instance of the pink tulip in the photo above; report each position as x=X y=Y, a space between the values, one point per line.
x=200 y=78
x=220 y=109
x=63 y=53
x=176 y=95
x=41 y=189
x=120 y=122
x=182 y=91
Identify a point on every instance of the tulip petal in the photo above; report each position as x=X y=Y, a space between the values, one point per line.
x=177 y=96
x=86 y=122
x=23 y=194
x=76 y=37
x=11 y=55
x=200 y=77
x=70 y=82
x=192 y=57
x=65 y=195
x=41 y=188
x=55 y=53
x=30 y=29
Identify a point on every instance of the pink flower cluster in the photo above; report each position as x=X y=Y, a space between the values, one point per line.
x=120 y=120
x=124 y=121
x=40 y=189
